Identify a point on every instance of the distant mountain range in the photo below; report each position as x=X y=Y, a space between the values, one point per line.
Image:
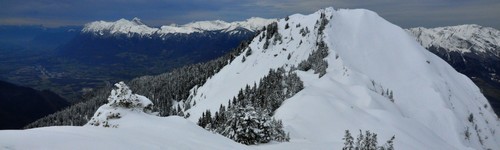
x=135 y=27
x=472 y=50
x=124 y=44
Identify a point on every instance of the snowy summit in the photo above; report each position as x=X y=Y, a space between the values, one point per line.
x=318 y=76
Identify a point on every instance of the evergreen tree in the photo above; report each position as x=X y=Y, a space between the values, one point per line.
x=316 y=61
x=249 y=52
x=348 y=141
x=360 y=142
x=120 y=97
x=390 y=144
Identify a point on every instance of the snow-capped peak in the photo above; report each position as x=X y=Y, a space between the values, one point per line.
x=135 y=26
x=462 y=38
x=251 y=24
x=120 y=26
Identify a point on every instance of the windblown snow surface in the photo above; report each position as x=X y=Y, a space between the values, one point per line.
x=367 y=56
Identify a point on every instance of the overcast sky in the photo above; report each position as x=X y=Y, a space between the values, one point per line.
x=405 y=13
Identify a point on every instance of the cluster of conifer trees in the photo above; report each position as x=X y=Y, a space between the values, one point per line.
x=247 y=118
x=316 y=60
x=367 y=141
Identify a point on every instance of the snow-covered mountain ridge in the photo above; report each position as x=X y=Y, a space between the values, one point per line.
x=430 y=105
x=135 y=26
x=367 y=57
x=469 y=38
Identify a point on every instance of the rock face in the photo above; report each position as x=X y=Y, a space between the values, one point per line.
x=472 y=50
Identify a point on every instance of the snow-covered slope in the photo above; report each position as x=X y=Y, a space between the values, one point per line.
x=136 y=131
x=124 y=123
x=136 y=27
x=367 y=56
x=434 y=106
x=462 y=38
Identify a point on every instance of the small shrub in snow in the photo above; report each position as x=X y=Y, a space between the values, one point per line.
x=304 y=31
x=266 y=44
x=277 y=37
x=467 y=133
x=249 y=52
x=471 y=118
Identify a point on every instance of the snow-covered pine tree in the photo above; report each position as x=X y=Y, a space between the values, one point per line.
x=277 y=132
x=122 y=97
x=120 y=100
x=250 y=127
x=360 y=142
x=372 y=141
x=348 y=141
x=389 y=145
